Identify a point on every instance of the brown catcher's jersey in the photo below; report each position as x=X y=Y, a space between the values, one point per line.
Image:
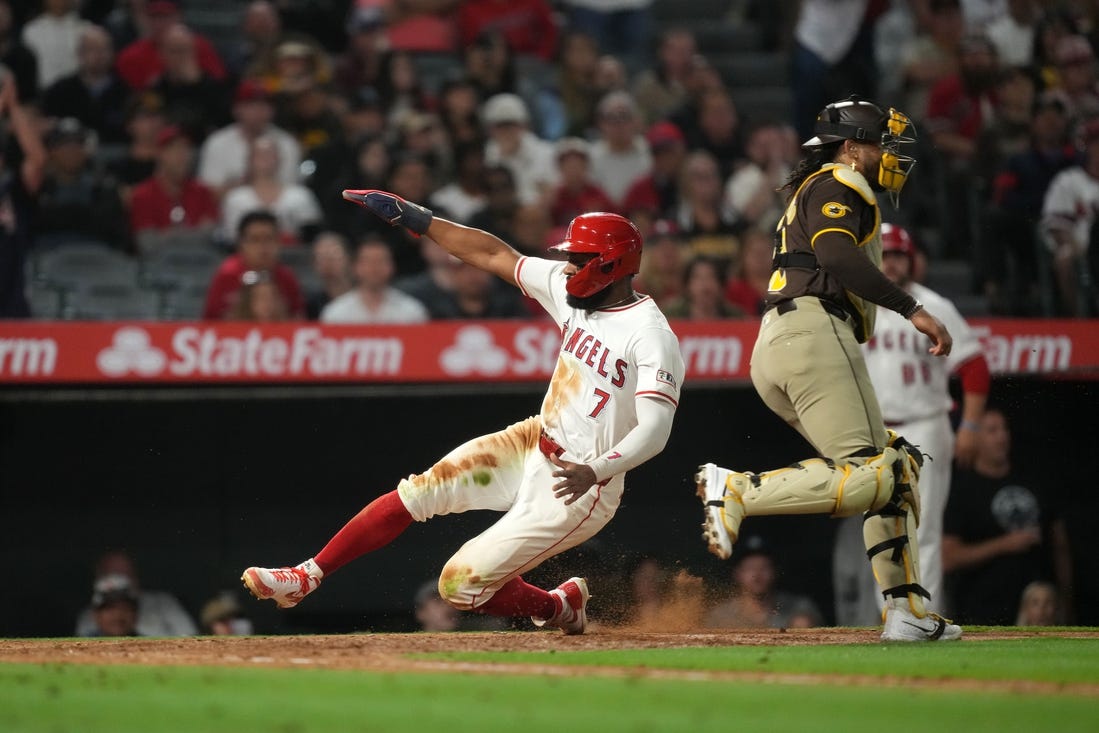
x=835 y=198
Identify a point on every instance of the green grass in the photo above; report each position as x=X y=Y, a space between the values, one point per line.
x=54 y=698
x=1045 y=660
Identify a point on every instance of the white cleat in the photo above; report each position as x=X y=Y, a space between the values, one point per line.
x=287 y=587
x=573 y=616
x=903 y=625
x=722 y=522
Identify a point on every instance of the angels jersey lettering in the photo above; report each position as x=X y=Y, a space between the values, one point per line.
x=608 y=358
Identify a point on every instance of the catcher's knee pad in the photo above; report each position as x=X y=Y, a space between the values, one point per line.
x=821 y=486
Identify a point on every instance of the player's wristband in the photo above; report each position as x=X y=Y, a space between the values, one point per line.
x=917 y=305
x=970 y=425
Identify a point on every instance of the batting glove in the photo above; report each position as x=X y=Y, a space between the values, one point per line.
x=393 y=209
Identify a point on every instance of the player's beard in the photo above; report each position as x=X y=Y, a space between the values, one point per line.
x=588 y=302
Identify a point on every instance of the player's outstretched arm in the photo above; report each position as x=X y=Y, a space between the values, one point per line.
x=477 y=247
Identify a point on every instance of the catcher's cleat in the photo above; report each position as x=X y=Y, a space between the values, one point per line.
x=903 y=625
x=572 y=618
x=723 y=505
x=287 y=587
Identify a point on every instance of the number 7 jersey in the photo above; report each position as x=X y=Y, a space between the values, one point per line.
x=608 y=358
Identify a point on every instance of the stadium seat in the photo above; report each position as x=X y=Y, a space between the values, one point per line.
x=176 y=263
x=112 y=302
x=77 y=265
x=185 y=303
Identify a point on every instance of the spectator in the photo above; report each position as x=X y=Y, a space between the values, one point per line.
x=257 y=252
x=252 y=54
x=1068 y=218
x=224 y=155
x=307 y=113
x=703 y=297
x=932 y=54
x=501 y=203
x=410 y=178
x=489 y=64
x=421 y=135
x=708 y=224
x=662 y=264
x=576 y=193
x=1009 y=131
x=300 y=64
x=222 y=615
x=361 y=117
x=477 y=294
x=18 y=189
x=662 y=89
x=193 y=98
x=53 y=37
x=567 y=106
x=751 y=192
x=718 y=129
x=527 y=25
x=1076 y=78
x=620 y=155
x=76 y=202
x=1014 y=32
x=19 y=59
x=114 y=607
x=1038 y=605
x=513 y=145
x=258 y=299
x=532 y=231
x=93 y=94
x=360 y=63
x=915 y=399
x=399 y=86
x=1056 y=23
x=159 y=613
x=142 y=62
x=755 y=602
x=294 y=205
x=458 y=109
x=622 y=28
x=749 y=283
x=610 y=75
x=171 y=200
x=145 y=121
x=658 y=192
x=373 y=299
x=1000 y=533
x=465 y=195
x=368 y=165
x=332 y=266
x=1013 y=214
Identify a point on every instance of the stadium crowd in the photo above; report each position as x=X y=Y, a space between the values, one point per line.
x=137 y=149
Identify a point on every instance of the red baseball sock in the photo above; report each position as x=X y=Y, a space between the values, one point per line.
x=517 y=598
x=375 y=526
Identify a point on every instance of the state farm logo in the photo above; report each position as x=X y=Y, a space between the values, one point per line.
x=131 y=351
x=474 y=351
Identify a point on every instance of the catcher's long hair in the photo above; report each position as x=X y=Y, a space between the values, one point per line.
x=810 y=164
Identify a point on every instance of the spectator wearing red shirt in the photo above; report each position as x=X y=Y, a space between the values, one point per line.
x=576 y=193
x=142 y=62
x=527 y=25
x=171 y=199
x=257 y=258
x=658 y=192
x=961 y=104
x=750 y=280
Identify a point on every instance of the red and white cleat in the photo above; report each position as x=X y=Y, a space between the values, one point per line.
x=572 y=618
x=287 y=587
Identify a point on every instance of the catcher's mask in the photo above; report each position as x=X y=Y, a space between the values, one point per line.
x=614 y=240
x=863 y=121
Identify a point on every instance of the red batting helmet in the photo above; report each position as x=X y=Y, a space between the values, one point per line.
x=895 y=239
x=614 y=240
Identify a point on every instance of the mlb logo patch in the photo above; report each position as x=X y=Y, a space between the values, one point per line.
x=665 y=377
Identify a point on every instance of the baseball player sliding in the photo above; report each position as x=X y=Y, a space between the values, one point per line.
x=913 y=390
x=807 y=366
x=557 y=477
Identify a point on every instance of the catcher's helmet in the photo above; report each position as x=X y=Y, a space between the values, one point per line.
x=863 y=121
x=614 y=240
x=895 y=239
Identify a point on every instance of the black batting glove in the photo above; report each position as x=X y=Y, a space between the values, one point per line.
x=393 y=209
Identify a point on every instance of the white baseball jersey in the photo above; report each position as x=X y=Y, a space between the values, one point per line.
x=912 y=384
x=1071 y=203
x=607 y=358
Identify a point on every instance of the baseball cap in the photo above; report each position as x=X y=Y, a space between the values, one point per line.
x=504 y=108
x=365 y=19
x=161 y=8
x=251 y=90
x=572 y=145
x=111 y=589
x=67 y=130
x=1073 y=49
x=663 y=134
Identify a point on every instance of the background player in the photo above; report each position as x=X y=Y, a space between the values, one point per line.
x=913 y=390
x=807 y=366
x=558 y=476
